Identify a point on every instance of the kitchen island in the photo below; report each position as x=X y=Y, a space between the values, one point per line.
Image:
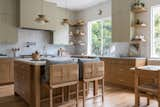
x=28 y=82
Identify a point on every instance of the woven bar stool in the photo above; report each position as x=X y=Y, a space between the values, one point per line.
x=61 y=76
x=92 y=71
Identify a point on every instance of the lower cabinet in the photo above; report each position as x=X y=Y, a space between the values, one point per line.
x=117 y=70
x=23 y=80
x=6 y=71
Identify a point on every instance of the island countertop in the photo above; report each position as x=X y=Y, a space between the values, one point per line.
x=115 y=57
x=75 y=57
x=42 y=61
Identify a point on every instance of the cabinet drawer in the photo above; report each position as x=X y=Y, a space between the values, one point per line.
x=120 y=61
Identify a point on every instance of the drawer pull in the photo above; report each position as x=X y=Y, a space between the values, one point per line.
x=121 y=80
x=121 y=69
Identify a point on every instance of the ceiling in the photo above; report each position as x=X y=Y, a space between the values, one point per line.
x=76 y=4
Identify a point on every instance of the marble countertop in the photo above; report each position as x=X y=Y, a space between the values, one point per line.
x=41 y=61
x=116 y=57
x=150 y=68
x=5 y=57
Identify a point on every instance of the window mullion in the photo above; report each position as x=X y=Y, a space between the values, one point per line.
x=101 y=37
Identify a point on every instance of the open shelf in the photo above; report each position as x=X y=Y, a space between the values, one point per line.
x=138 y=41
x=139 y=10
x=140 y=25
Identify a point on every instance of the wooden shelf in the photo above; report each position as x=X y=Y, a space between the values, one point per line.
x=76 y=25
x=137 y=41
x=140 y=25
x=139 y=10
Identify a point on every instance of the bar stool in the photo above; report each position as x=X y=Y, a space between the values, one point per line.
x=147 y=84
x=63 y=75
x=92 y=71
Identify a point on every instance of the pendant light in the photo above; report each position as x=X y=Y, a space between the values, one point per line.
x=65 y=20
x=41 y=18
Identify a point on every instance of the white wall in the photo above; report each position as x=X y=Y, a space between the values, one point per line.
x=91 y=13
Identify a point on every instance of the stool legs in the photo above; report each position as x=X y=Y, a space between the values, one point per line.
x=51 y=97
x=148 y=101
x=77 y=98
x=137 y=100
x=84 y=94
x=102 y=90
x=159 y=102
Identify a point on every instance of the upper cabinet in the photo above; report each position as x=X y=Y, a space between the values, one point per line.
x=61 y=32
x=29 y=11
x=121 y=21
x=8 y=21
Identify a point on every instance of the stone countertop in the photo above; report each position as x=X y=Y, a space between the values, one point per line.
x=30 y=61
x=41 y=61
x=116 y=57
x=1 y=57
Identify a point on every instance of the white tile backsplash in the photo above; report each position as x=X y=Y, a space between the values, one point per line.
x=42 y=38
x=119 y=49
x=39 y=37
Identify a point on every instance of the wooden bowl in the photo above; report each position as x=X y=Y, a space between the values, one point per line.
x=35 y=56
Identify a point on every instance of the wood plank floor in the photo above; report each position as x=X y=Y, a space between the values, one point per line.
x=114 y=97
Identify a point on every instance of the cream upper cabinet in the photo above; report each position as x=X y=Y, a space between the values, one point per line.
x=8 y=21
x=61 y=33
x=121 y=20
x=30 y=9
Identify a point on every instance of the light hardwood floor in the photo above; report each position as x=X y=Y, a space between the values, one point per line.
x=114 y=97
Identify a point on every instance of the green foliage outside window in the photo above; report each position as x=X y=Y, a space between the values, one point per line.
x=157 y=34
x=101 y=32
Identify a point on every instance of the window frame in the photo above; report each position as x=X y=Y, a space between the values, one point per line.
x=89 y=43
x=152 y=19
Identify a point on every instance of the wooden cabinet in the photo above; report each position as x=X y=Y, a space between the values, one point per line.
x=117 y=70
x=8 y=21
x=23 y=80
x=6 y=71
x=121 y=21
x=29 y=11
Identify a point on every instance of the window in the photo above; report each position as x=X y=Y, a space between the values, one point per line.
x=99 y=39
x=155 y=32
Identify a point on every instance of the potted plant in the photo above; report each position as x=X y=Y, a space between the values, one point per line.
x=139 y=4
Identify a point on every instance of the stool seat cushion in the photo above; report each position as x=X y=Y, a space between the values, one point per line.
x=45 y=75
x=84 y=60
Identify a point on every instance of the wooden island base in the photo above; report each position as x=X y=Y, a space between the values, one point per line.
x=30 y=88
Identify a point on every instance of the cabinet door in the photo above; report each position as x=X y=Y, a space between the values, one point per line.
x=5 y=70
x=121 y=75
x=29 y=11
x=61 y=33
x=23 y=80
x=8 y=21
x=121 y=21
